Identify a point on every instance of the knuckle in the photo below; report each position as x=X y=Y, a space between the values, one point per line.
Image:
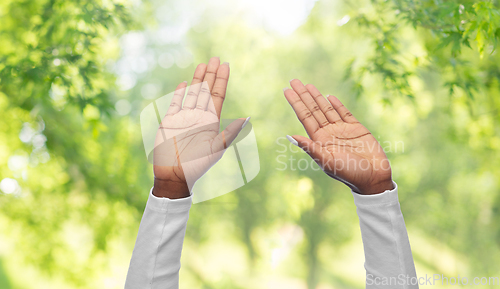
x=307 y=115
x=303 y=111
x=218 y=94
x=303 y=92
x=347 y=114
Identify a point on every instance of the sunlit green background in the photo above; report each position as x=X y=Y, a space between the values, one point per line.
x=423 y=76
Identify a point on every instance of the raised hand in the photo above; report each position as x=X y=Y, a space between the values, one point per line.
x=338 y=142
x=188 y=141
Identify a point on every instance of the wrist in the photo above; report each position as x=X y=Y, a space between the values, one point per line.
x=171 y=189
x=378 y=188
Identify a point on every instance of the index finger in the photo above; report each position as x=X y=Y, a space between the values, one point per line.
x=303 y=113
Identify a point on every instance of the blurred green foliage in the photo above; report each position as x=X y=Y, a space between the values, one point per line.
x=447 y=27
x=423 y=76
x=54 y=52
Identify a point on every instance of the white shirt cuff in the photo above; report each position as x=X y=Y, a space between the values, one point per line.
x=386 y=197
x=165 y=204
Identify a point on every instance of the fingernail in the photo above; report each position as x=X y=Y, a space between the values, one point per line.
x=292 y=140
x=226 y=63
x=185 y=81
x=291 y=80
x=245 y=123
x=284 y=89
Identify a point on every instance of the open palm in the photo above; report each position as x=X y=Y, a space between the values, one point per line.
x=339 y=143
x=188 y=141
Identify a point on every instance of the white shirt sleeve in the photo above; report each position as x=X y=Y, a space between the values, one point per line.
x=388 y=258
x=156 y=257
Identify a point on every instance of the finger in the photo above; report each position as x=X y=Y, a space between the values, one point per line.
x=220 y=86
x=176 y=103
x=307 y=99
x=194 y=88
x=303 y=113
x=211 y=74
x=320 y=155
x=208 y=83
x=224 y=139
x=344 y=113
x=203 y=96
x=325 y=106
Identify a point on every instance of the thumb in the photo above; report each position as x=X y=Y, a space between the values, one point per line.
x=313 y=149
x=224 y=139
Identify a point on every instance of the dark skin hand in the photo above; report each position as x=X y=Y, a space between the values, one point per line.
x=170 y=181
x=338 y=142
